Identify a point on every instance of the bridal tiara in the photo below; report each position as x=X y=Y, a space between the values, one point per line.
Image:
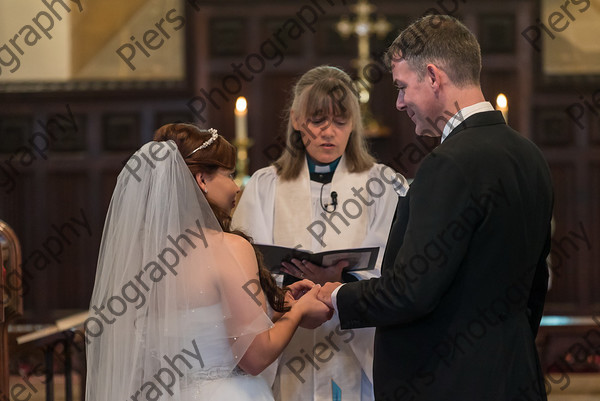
x=208 y=142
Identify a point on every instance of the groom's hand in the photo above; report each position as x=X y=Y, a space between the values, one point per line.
x=314 y=312
x=325 y=293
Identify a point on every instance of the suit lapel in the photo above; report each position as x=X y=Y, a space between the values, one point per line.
x=396 y=236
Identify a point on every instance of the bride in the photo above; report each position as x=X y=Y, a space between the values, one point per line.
x=181 y=303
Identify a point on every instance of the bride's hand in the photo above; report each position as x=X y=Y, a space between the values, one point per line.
x=296 y=291
x=299 y=288
x=289 y=299
x=314 y=312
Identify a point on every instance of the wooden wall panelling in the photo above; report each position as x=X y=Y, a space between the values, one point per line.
x=228 y=37
x=497 y=33
x=21 y=213
x=15 y=130
x=63 y=233
x=269 y=128
x=594 y=123
x=594 y=235
x=70 y=132
x=270 y=26
x=121 y=132
x=166 y=117
x=328 y=41
x=552 y=128
x=220 y=105
x=564 y=143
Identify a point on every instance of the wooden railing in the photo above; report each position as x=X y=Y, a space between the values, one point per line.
x=11 y=305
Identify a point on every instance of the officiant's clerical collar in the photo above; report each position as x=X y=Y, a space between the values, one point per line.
x=320 y=172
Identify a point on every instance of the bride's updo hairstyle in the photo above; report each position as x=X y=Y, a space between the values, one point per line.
x=208 y=160
x=220 y=153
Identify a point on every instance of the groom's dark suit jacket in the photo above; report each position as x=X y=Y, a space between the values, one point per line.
x=464 y=275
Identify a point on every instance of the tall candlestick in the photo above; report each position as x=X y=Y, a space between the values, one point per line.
x=242 y=142
x=502 y=105
x=241 y=121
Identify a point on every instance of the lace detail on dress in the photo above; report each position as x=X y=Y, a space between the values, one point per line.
x=193 y=379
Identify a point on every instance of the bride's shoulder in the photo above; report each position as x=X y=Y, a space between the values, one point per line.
x=239 y=246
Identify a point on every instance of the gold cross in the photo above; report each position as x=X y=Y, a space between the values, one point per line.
x=363 y=27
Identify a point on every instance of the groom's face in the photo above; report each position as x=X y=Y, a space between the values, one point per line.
x=416 y=96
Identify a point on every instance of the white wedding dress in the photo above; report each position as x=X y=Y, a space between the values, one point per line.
x=215 y=381
x=178 y=310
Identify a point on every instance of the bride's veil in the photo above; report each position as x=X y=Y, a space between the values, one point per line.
x=171 y=306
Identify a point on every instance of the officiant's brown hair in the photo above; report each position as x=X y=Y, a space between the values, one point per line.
x=329 y=89
x=220 y=153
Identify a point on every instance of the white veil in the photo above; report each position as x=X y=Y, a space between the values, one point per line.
x=170 y=303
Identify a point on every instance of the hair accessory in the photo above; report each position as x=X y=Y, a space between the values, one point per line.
x=208 y=142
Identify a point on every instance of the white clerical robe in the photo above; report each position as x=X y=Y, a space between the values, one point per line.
x=322 y=363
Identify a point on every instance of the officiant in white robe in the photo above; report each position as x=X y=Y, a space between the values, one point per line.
x=290 y=204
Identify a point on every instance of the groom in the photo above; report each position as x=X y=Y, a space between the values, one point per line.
x=464 y=277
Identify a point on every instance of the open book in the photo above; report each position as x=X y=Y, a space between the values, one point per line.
x=359 y=258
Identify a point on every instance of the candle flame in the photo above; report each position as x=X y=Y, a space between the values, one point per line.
x=501 y=101
x=241 y=104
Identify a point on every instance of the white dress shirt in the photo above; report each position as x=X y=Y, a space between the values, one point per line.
x=463 y=114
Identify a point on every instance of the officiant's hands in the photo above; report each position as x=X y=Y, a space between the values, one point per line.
x=318 y=274
x=314 y=312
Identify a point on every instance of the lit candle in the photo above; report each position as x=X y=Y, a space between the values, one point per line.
x=241 y=122
x=502 y=105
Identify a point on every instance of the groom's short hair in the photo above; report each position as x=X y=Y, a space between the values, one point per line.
x=441 y=40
